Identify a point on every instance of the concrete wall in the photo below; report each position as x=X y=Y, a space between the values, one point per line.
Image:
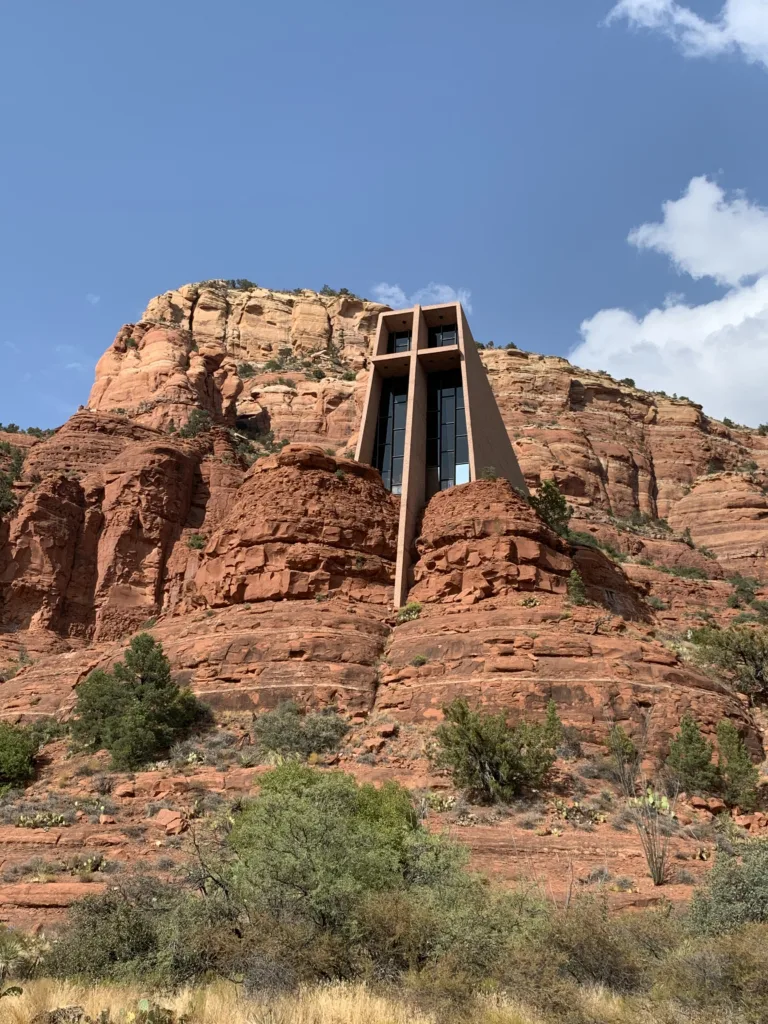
x=414 y=463
x=489 y=444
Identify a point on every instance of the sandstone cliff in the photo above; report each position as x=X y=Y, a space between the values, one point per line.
x=207 y=493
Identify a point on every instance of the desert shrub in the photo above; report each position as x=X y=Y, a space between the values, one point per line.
x=197 y=541
x=286 y=731
x=489 y=473
x=628 y=381
x=725 y=975
x=143 y=929
x=136 y=711
x=739 y=652
x=245 y=370
x=744 y=588
x=596 y=947
x=18 y=747
x=656 y=603
x=198 y=423
x=685 y=572
x=577 y=592
x=551 y=507
x=735 y=892
x=689 y=763
x=408 y=612
x=419 y=660
x=491 y=759
x=738 y=776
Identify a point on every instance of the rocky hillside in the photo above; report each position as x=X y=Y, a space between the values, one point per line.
x=207 y=493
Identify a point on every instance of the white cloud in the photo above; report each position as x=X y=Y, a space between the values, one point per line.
x=717 y=352
x=741 y=26
x=705 y=234
x=432 y=294
x=93 y=299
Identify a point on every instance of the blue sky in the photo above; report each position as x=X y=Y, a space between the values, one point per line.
x=504 y=149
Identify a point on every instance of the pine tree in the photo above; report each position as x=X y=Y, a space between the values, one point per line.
x=739 y=776
x=690 y=759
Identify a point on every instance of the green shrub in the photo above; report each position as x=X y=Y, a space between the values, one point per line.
x=489 y=473
x=489 y=758
x=286 y=731
x=408 y=612
x=738 y=776
x=628 y=381
x=551 y=506
x=419 y=660
x=18 y=747
x=656 y=603
x=740 y=653
x=245 y=370
x=197 y=541
x=577 y=592
x=728 y=422
x=744 y=588
x=735 y=892
x=690 y=760
x=136 y=711
x=198 y=423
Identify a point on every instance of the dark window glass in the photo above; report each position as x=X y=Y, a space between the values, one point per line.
x=399 y=341
x=389 y=445
x=445 y=334
x=447 y=443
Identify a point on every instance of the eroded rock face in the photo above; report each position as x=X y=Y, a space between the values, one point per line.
x=304 y=525
x=87 y=551
x=185 y=350
x=614 y=448
x=483 y=540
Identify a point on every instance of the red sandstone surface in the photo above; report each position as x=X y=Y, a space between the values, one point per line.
x=273 y=581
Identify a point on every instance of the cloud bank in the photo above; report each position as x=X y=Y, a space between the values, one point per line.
x=741 y=27
x=716 y=352
x=433 y=293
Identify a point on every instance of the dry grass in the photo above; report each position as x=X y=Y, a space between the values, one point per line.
x=223 y=1003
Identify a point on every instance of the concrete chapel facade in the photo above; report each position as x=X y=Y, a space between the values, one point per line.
x=430 y=420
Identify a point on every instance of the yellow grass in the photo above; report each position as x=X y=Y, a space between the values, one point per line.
x=222 y=1003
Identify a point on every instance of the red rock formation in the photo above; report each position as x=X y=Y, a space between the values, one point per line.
x=304 y=525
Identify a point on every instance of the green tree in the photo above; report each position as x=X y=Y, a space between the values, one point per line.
x=690 y=759
x=551 y=506
x=314 y=843
x=738 y=775
x=488 y=757
x=18 y=746
x=577 y=592
x=198 y=423
x=740 y=653
x=136 y=711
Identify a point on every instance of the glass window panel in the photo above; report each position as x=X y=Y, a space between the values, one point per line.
x=462 y=472
x=462 y=448
x=397 y=471
x=461 y=418
x=399 y=412
x=449 y=406
x=432 y=451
